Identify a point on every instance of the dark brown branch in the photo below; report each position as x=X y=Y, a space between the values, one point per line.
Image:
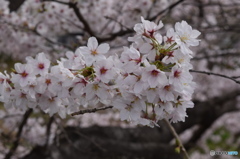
x=34 y=31
x=60 y=2
x=90 y=140
x=15 y=4
x=166 y=9
x=67 y=136
x=48 y=130
x=179 y=142
x=124 y=32
x=19 y=133
x=48 y=40
x=216 y=74
x=216 y=55
x=93 y=110
x=77 y=13
x=81 y=18
x=113 y=35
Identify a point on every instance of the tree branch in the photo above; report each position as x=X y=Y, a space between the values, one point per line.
x=93 y=110
x=216 y=55
x=216 y=74
x=113 y=35
x=15 y=4
x=179 y=143
x=77 y=13
x=166 y=9
x=34 y=31
x=81 y=18
x=48 y=130
x=20 y=129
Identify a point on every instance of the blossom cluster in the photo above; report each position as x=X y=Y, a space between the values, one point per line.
x=147 y=82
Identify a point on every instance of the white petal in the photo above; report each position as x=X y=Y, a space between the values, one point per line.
x=158 y=38
x=92 y=43
x=160 y=25
x=138 y=87
x=103 y=48
x=19 y=67
x=195 y=33
x=145 y=48
x=184 y=49
x=153 y=81
x=84 y=50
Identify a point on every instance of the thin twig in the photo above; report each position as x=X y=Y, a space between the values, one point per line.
x=180 y=145
x=67 y=136
x=91 y=140
x=34 y=31
x=93 y=110
x=48 y=130
x=113 y=35
x=81 y=18
x=77 y=13
x=165 y=10
x=116 y=21
x=19 y=133
x=216 y=55
x=216 y=74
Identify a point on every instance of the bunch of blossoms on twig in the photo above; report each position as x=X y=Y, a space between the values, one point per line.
x=149 y=81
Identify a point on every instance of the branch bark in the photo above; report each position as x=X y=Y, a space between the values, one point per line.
x=19 y=133
x=216 y=74
x=179 y=142
x=93 y=110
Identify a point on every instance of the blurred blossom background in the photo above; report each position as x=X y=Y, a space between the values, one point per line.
x=28 y=27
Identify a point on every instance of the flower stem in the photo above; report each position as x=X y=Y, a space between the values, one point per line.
x=180 y=145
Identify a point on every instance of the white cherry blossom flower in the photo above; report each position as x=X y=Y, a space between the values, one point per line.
x=93 y=51
x=166 y=93
x=186 y=36
x=40 y=64
x=24 y=74
x=177 y=57
x=154 y=76
x=147 y=28
x=104 y=70
x=179 y=77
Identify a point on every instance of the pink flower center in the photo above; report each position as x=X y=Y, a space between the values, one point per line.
x=41 y=66
x=24 y=74
x=48 y=81
x=137 y=60
x=31 y=86
x=1 y=80
x=169 y=40
x=23 y=95
x=154 y=73
x=103 y=70
x=177 y=74
x=83 y=81
x=94 y=52
x=51 y=100
x=151 y=33
x=167 y=87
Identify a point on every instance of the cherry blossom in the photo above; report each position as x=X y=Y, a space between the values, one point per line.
x=146 y=82
x=24 y=74
x=154 y=76
x=186 y=36
x=93 y=51
x=40 y=64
